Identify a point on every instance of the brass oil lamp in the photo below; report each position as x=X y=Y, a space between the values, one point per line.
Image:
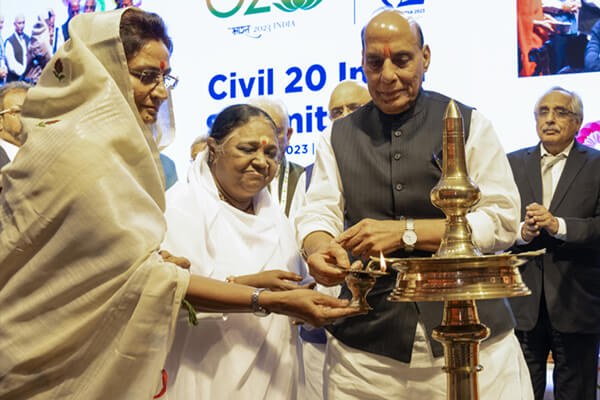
x=458 y=273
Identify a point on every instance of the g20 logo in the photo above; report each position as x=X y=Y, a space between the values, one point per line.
x=254 y=8
x=402 y=3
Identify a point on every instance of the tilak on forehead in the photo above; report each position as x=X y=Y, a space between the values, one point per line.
x=162 y=65
x=386 y=50
x=263 y=140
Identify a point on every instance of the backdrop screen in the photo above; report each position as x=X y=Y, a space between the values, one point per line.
x=228 y=51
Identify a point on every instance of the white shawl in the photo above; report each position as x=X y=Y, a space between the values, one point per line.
x=87 y=307
x=234 y=356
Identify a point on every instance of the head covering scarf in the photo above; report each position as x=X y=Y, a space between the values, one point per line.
x=87 y=307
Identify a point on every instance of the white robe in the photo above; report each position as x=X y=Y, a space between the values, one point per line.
x=238 y=355
x=87 y=306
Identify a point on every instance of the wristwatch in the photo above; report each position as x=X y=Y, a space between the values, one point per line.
x=409 y=237
x=257 y=309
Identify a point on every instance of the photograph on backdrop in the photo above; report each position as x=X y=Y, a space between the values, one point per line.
x=558 y=36
x=32 y=38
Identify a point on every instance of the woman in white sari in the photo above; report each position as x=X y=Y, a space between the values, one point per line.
x=225 y=221
x=87 y=305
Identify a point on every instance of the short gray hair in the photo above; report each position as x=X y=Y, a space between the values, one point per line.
x=575 y=105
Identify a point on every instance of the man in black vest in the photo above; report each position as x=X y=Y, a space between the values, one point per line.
x=560 y=208
x=15 y=49
x=373 y=174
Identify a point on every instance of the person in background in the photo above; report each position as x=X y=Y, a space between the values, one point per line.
x=87 y=303
x=53 y=30
x=15 y=50
x=3 y=69
x=346 y=97
x=559 y=185
x=73 y=9
x=374 y=172
x=592 y=50
x=39 y=51
x=12 y=96
x=125 y=3
x=289 y=186
x=89 y=6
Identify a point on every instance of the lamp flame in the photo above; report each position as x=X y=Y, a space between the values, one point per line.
x=382 y=263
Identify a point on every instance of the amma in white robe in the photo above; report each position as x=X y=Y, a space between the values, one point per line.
x=238 y=355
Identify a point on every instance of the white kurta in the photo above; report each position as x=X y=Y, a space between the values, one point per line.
x=234 y=356
x=87 y=306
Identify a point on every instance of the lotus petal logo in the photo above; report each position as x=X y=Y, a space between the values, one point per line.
x=403 y=3
x=293 y=5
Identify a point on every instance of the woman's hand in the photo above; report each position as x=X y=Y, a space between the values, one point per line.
x=310 y=306
x=179 y=261
x=274 y=280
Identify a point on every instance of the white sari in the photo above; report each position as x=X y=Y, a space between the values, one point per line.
x=238 y=355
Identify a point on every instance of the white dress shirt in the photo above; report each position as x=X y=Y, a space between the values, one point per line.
x=10 y=149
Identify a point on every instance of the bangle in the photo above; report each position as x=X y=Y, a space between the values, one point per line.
x=230 y=279
x=257 y=309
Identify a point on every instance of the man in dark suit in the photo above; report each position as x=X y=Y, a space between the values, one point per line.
x=559 y=185
x=3 y=157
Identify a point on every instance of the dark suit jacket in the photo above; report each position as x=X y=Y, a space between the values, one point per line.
x=569 y=272
x=3 y=157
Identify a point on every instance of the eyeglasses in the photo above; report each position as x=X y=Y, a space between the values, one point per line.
x=338 y=112
x=560 y=112
x=12 y=110
x=152 y=77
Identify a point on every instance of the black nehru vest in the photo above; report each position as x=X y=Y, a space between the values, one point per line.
x=387 y=168
x=20 y=54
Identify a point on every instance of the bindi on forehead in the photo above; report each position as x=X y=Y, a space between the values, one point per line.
x=162 y=66
x=264 y=140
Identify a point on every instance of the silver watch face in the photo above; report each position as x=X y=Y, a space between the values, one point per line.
x=409 y=238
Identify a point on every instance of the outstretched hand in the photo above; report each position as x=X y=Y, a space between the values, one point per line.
x=273 y=280
x=309 y=306
x=321 y=268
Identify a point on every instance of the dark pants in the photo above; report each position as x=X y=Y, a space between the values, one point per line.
x=575 y=359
